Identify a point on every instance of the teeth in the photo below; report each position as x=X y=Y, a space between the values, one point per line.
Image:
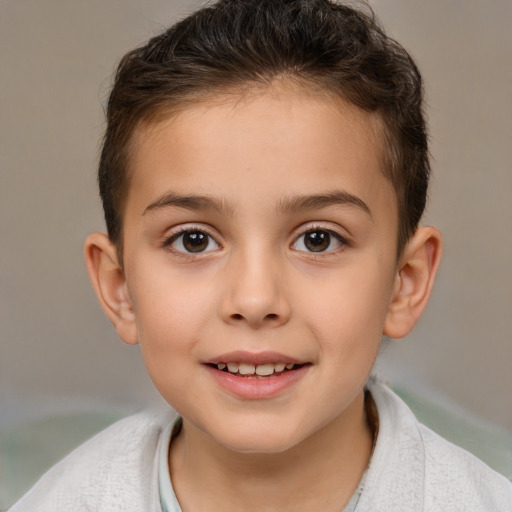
x=265 y=369
x=262 y=370
x=246 y=369
x=233 y=367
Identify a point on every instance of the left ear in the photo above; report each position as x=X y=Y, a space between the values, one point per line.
x=417 y=269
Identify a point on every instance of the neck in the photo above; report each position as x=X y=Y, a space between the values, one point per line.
x=333 y=460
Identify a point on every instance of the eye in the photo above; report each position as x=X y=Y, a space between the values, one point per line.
x=318 y=240
x=192 y=241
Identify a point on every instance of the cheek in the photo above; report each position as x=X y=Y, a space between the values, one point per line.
x=171 y=313
x=171 y=326
x=347 y=310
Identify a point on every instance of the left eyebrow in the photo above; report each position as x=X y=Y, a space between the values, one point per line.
x=188 y=202
x=318 y=201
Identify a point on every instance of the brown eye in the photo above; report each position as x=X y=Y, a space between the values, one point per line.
x=193 y=241
x=318 y=240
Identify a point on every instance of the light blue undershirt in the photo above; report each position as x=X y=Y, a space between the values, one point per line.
x=168 y=498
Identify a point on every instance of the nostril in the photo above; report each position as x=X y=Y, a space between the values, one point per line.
x=270 y=316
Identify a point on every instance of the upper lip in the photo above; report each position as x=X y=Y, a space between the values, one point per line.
x=255 y=358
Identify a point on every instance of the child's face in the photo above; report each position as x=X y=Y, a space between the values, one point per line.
x=260 y=231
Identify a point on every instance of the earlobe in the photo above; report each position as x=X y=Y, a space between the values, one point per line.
x=107 y=278
x=414 y=280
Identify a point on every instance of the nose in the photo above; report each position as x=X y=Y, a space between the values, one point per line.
x=254 y=292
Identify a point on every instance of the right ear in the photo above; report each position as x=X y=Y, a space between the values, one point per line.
x=109 y=283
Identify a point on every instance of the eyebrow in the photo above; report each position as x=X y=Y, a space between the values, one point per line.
x=189 y=202
x=318 y=201
x=287 y=205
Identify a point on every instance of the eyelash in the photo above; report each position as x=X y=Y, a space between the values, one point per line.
x=341 y=240
x=174 y=237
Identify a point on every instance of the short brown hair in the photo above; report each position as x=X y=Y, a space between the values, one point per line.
x=236 y=43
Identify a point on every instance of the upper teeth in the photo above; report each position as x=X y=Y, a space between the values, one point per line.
x=251 y=369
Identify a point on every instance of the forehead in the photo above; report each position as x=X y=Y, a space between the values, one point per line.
x=270 y=142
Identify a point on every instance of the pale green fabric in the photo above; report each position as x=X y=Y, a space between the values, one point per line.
x=489 y=442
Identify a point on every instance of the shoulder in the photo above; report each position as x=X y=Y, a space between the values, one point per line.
x=454 y=478
x=114 y=470
x=415 y=469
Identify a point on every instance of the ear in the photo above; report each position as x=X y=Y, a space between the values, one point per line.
x=417 y=269
x=109 y=283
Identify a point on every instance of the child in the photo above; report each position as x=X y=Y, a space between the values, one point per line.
x=263 y=175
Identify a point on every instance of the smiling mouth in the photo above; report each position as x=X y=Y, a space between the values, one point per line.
x=259 y=370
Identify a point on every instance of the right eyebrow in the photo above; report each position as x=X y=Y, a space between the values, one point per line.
x=188 y=202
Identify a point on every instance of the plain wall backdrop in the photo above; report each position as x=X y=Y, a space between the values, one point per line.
x=56 y=62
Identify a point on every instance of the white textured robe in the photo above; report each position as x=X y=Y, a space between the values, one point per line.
x=412 y=470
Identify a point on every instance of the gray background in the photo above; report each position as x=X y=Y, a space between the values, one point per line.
x=56 y=60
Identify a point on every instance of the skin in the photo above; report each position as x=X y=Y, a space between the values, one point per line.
x=257 y=287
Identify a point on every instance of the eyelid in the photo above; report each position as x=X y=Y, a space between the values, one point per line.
x=333 y=230
x=331 y=227
x=175 y=232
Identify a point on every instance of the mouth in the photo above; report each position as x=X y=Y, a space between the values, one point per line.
x=256 y=376
x=259 y=371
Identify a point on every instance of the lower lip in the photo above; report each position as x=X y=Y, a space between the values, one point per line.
x=255 y=388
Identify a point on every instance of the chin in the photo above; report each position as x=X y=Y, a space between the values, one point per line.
x=258 y=440
x=260 y=446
